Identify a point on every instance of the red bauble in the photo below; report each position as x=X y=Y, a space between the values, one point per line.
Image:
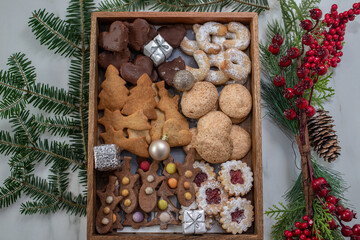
x=346 y=231
x=288 y=93
x=293 y=52
x=274 y=48
x=356 y=229
x=279 y=81
x=301 y=103
x=285 y=61
x=145 y=165
x=306 y=24
x=315 y=13
x=299 y=89
x=307 y=83
x=290 y=114
x=278 y=39
x=347 y=216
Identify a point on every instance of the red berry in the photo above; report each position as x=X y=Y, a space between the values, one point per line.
x=307 y=39
x=289 y=235
x=307 y=83
x=334 y=7
x=145 y=165
x=304 y=225
x=290 y=114
x=306 y=24
x=302 y=237
x=321 y=69
x=301 y=103
x=347 y=216
x=307 y=232
x=306 y=218
x=279 y=81
x=299 y=89
x=307 y=65
x=346 y=231
x=356 y=229
x=302 y=72
x=339 y=209
x=331 y=207
x=331 y=199
x=285 y=61
x=274 y=48
x=288 y=93
x=297 y=224
x=315 y=13
x=310 y=222
x=323 y=192
x=297 y=231
x=332 y=224
x=278 y=39
x=293 y=52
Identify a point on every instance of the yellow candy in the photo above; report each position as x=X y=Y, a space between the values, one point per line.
x=171 y=168
x=162 y=204
x=188 y=174
x=114 y=218
x=125 y=192
x=127 y=202
x=187 y=185
x=125 y=181
x=187 y=196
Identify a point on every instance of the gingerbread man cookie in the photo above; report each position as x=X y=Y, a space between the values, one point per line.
x=136 y=219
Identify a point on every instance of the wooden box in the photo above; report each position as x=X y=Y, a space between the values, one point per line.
x=252 y=124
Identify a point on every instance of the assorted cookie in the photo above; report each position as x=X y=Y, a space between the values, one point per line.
x=146 y=98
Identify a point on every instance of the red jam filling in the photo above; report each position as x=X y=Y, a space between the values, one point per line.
x=236 y=177
x=200 y=178
x=237 y=216
x=213 y=196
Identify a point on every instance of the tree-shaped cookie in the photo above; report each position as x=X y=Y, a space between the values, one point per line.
x=176 y=127
x=126 y=190
x=147 y=193
x=164 y=217
x=171 y=174
x=136 y=121
x=114 y=92
x=142 y=97
x=187 y=173
x=109 y=201
x=117 y=224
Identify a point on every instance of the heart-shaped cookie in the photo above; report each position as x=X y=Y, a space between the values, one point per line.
x=173 y=34
x=131 y=72
x=114 y=58
x=168 y=70
x=138 y=33
x=116 y=39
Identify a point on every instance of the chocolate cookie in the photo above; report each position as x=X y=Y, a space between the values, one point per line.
x=138 y=33
x=116 y=39
x=131 y=72
x=114 y=58
x=168 y=70
x=173 y=34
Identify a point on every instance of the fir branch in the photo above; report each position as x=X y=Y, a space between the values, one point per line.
x=22 y=70
x=276 y=212
x=10 y=193
x=30 y=208
x=322 y=92
x=55 y=33
x=123 y=5
x=59 y=125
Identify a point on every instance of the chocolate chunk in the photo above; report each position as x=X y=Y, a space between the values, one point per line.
x=173 y=34
x=131 y=72
x=116 y=59
x=168 y=70
x=138 y=33
x=116 y=39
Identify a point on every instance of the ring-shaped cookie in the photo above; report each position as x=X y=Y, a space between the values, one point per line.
x=237 y=65
x=211 y=197
x=242 y=36
x=236 y=177
x=207 y=173
x=237 y=215
x=203 y=36
x=203 y=63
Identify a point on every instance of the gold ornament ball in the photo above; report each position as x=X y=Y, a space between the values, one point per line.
x=159 y=150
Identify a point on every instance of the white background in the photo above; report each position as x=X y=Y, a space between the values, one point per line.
x=278 y=157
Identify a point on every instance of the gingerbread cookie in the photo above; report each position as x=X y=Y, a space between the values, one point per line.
x=171 y=174
x=142 y=97
x=117 y=220
x=241 y=141
x=186 y=148
x=136 y=219
x=138 y=33
x=167 y=70
x=114 y=58
x=199 y=100
x=113 y=94
x=173 y=34
x=141 y=64
x=139 y=133
x=187 y=173
x=147 y=193
x=237 y=215
x=116 y=39
x=105 y=216
x=157 y=125
x=127 y=182
x=236 y=177
x=207 y=173
x=211 y=197
x=235 y=101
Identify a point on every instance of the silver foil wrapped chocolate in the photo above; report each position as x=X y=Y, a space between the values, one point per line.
x=107 y=157
x=194 y=222
x=158 y=50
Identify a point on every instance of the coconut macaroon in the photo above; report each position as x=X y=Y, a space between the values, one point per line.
x=211 y=197
x=235 y=101
x=236 y=177
x=187 y=148
x=237 y=215
x=200 y=100
x=217 y=121
x=241 y=142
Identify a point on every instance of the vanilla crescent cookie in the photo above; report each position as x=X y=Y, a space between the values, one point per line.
x=237 y=215
x=241 y=40
x=211 y=197
x=203 y=36
x=207 y=173
x=216 y=77
x=189 y=46
x=203 y=63
x=221 y=39
x=236 y=177
x=237 y=65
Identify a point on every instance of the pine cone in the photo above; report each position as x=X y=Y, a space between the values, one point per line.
x=322 y=136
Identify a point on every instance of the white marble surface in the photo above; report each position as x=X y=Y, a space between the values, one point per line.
x=278 y=159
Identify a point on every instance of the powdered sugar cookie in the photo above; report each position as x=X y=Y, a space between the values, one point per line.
x=189 y=46
x=211 y=197
x=236 y=177
x=203 y=36
x=241 y=40
x=203 y=63
x=237 y=65
x=237 y=215
x=207 y=173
